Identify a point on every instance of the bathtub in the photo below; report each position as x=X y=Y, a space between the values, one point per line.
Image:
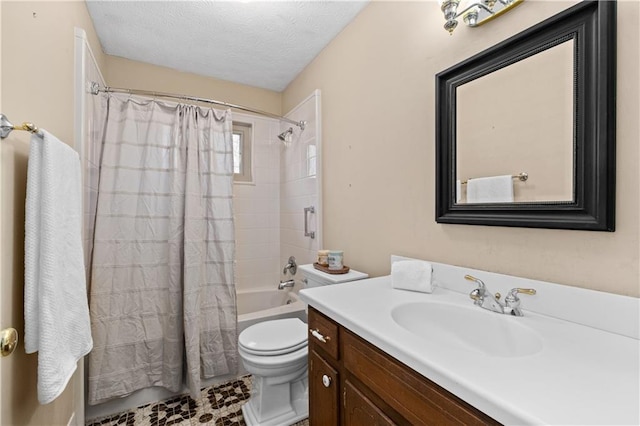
x=255 y=306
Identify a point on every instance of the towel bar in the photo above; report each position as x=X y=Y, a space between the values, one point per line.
x=523 y=176
x=6 y=127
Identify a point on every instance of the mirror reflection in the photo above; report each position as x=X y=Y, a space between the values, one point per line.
x=514 y=121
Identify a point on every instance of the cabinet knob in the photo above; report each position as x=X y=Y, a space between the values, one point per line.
x=326 y=380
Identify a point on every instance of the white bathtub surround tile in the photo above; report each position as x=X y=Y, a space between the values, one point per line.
x=257 y=282
x=247 y=205
x=267 y=174
x=252 y=220
x=253 y=236
x=261 y=129
x=308 y=185
x=294 y=238
x=297 y=189
x=243 y=191
x=291 y=221
x=266 y=265
x=309 y=132
x=296 y=204
x=262 y=154
x=304 y=256
x=253 y=273
x=257 y=210
x=255 y=251
x=252 y=268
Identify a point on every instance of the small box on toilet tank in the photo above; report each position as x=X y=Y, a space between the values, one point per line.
x=315 y=278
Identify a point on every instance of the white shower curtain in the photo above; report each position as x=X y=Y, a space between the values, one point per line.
x=162 y=296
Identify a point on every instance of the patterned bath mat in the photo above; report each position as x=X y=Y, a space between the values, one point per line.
x=219 y=405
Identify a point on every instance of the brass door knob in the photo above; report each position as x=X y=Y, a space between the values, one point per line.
x=8 y=341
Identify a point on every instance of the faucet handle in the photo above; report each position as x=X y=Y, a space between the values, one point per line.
x=512 y=299
x=475 y=280
x=514 y=291
x=291 y=266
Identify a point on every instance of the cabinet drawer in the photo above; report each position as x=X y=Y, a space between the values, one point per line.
x=323 y=332
x=418 y=399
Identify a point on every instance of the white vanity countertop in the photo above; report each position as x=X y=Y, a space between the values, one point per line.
x=581 y=376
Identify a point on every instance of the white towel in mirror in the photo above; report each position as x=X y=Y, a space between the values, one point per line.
x=495 y=189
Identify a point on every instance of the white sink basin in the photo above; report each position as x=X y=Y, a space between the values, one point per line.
x=469 y=328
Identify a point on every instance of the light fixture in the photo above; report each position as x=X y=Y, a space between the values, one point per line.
x=476 y=13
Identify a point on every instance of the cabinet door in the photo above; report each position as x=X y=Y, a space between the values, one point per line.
x=323 y=392
x=360 y=411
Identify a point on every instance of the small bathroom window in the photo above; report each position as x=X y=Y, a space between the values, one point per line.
x=311 y=160
x=242 y=140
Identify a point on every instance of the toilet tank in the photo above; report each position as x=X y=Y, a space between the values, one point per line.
x=316 y=278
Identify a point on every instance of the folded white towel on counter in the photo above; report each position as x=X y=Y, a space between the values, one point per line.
x=56 y=308
x=495 y=189
x=414 y=275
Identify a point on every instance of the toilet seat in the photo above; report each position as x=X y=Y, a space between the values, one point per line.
x=275 y=337
x=268 y=364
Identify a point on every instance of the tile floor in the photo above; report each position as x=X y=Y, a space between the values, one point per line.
x=218 y=405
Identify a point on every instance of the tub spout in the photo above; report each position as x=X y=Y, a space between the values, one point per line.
x=286 y=284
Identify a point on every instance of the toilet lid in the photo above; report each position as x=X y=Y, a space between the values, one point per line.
x=274 y=337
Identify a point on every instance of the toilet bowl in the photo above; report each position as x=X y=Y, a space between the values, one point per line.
x=275 y=353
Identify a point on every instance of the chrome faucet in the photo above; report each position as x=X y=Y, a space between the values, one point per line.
x=286 y=284
x=483 y=298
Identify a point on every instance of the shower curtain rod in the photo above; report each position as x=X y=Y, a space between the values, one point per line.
x=95 y=89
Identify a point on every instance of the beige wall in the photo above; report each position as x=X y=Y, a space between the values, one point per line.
x=377 y=81
x=120 y=72
x=36 y=85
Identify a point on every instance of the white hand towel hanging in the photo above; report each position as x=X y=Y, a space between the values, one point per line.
x=55 y=296
x=495 y=189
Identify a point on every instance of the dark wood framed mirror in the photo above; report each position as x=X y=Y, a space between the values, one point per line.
x=564 y=140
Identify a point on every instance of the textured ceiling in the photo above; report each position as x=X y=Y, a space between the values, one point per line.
x=258 y=43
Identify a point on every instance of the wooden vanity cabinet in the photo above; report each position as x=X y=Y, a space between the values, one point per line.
x=353 y=383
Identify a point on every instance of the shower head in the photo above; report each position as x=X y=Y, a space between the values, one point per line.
x=285 y=136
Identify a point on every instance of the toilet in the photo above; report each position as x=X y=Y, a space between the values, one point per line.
x=275 y=353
